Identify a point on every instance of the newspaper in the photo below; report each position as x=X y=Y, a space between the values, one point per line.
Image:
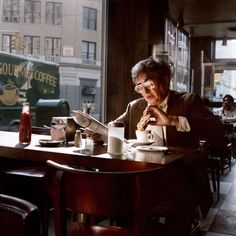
x=89 y=122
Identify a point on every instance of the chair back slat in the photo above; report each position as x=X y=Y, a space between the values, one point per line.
x=99 y=193
x=111 y=194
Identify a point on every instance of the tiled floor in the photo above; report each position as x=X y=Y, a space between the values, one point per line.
x=221 y=219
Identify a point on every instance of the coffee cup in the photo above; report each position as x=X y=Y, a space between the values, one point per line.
x=143 y=136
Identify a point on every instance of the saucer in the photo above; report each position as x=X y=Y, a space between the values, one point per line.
x=49 y=143
x=153 y=148
x=135 y=142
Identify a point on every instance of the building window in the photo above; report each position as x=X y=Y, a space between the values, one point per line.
x=52 y=47
x=223 y=68
x=53 y=13
x=32 y=11
x=6 y=42
x=89 y=18
x=225 y=50
x=11 y=10
x=32 y=45
x=10 y=43
x=88 y=50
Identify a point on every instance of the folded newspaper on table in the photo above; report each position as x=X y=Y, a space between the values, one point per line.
x=89 y=122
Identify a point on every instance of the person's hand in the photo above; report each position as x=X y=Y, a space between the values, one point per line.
x=159 y=117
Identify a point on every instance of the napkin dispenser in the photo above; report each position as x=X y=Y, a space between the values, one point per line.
x=63 y=128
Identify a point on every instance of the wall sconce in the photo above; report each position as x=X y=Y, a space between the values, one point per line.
x=224 y=41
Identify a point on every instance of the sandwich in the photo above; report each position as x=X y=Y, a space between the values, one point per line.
x=143 y=123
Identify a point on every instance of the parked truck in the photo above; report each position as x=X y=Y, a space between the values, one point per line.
x=24 y=79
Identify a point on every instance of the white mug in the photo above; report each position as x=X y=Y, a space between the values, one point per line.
x=143 y=136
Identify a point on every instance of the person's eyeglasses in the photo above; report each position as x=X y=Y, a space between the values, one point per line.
x=141 y=87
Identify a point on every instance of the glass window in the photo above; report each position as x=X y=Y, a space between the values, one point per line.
x=66 y=32
x=53 y=13
x=10 y=42
x=32 y=11
x=89 y=18
x=32 y=45
x=11 y=10
x=225 y=50
x=88 y=50
x=177 y=48
x=224 y=69
x=6 y=42
x=52 y=47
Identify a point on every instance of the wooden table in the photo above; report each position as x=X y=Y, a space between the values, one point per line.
x=188 y=162
x=97 y=157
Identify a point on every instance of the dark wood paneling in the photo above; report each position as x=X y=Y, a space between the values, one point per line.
x=129 y=40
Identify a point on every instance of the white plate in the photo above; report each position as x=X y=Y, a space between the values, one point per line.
x=49 y=143
x=152 y=148
x=135 y=142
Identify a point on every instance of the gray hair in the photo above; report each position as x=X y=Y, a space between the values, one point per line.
x=155 y=69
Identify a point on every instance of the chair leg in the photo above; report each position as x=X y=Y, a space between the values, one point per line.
x=218 y=184
x=215 y=168
x=213 y=180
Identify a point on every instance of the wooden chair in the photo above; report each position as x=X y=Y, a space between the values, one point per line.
x=99 y=195
x=214 y=168
x=18 y=217
x=218 y=159
x=224 y=152
x=141 y=194
x=26 y=181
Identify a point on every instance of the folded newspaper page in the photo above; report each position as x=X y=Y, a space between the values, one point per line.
x=89 y=122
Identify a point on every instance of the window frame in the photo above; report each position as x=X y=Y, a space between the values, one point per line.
x=11 y=15
x=54 y=14
x=87 y=54
x=53 y=49
x=89 y=22
x=32 y=17
x=32 y=49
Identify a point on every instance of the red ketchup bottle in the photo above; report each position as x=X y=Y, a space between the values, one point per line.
x=25 y=125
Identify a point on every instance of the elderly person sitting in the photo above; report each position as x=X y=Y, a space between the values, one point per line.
x=181 y=117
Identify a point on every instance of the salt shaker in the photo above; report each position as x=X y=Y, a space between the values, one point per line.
x=83 y=140
x=115 y=138
x=77 y=139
